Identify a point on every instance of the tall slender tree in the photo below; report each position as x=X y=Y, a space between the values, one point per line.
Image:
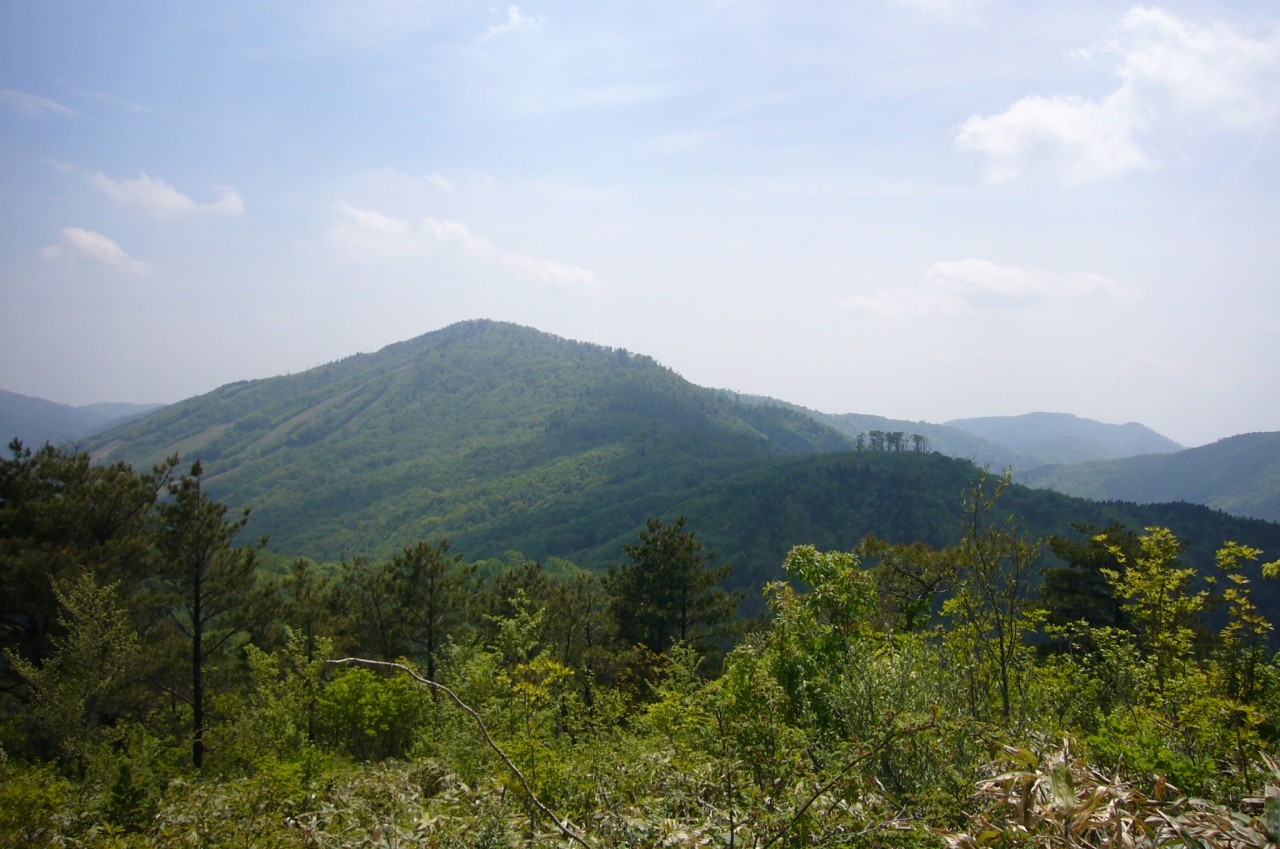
x=430 y=589
x=209 y=580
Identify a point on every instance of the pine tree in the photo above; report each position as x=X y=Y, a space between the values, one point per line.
x=669 y=593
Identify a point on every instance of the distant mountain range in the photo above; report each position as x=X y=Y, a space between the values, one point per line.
x=36 y=421
x=502 y=438
x=1043 y=438
x=1020 y=443
x=1240 y=475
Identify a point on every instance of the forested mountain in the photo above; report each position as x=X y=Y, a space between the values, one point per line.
x=1043 y=438
x=36 y=421
x=481 y=431
x=782 y=636
x=1240 y=474
x=501 y=438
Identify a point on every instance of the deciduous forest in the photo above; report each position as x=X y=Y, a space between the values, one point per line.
x=167 y=680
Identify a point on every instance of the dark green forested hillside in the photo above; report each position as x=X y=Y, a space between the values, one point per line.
x=1240 y=474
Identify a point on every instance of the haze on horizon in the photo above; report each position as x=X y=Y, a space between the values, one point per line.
x=921 y=209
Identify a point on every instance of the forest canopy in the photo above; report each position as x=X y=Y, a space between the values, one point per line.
x=166 y=681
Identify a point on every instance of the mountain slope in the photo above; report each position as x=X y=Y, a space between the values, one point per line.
x=501 y=439
x=478 y=426
x=36 y=421
x=1240 y=475
x=1043 y=438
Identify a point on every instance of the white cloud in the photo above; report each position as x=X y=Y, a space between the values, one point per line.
x=1213 y=75
x=453 y=232
x=516 y=21
x=961 y=286
x=30 y=104
x=557 y=274
x=1172 y=75
x=160 y=198
x=1064 y=138
x=980 y=276
x=365 y=235
x=87 y=246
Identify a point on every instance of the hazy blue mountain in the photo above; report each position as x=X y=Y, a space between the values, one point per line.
x=36 y=421
x=1044 y=438
x=1003 y=442
x=1240 y=475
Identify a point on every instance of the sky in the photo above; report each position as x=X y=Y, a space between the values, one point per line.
x=921 y=209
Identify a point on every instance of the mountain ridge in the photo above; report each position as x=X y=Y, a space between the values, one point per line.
x=494 y=434
x=1238 y=474
x=36 y=421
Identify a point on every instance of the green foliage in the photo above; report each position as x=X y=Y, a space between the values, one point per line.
x=32 y=802
x=669 y=593
x=859 y=712
x=60 y=515
x=208 y=582
x=80 y=683
x=368 y=716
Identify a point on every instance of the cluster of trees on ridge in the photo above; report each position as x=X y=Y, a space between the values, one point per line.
x=163 y=685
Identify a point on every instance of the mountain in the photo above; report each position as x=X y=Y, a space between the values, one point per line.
x=480 y=432
x=504 y=439
x=36 y=421
x=1001 y=442
x=1240 y=475
x=950 y=441
x=1047 y=438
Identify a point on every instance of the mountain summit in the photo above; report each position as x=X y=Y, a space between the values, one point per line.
x=457 y=431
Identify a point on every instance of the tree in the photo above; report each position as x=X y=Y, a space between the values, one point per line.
x=911 y=577
x=1156 y=595
x=669 y=591
x=430 y=590
x=994 y=568
x=209 y=580
x=92 y=659
x=1080 y=590
x=59 y=515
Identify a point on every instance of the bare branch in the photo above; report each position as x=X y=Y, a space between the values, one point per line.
x=484 y=732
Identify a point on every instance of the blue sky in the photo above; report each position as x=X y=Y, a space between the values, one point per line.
x=924 y=209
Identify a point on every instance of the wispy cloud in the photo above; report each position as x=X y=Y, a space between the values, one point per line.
x=516 y=21
x=79 y=245
x=954 y=287
x=455 y=233
x=1172 y=74
x=162 y=199
x=368 y=236
x=31 y=104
